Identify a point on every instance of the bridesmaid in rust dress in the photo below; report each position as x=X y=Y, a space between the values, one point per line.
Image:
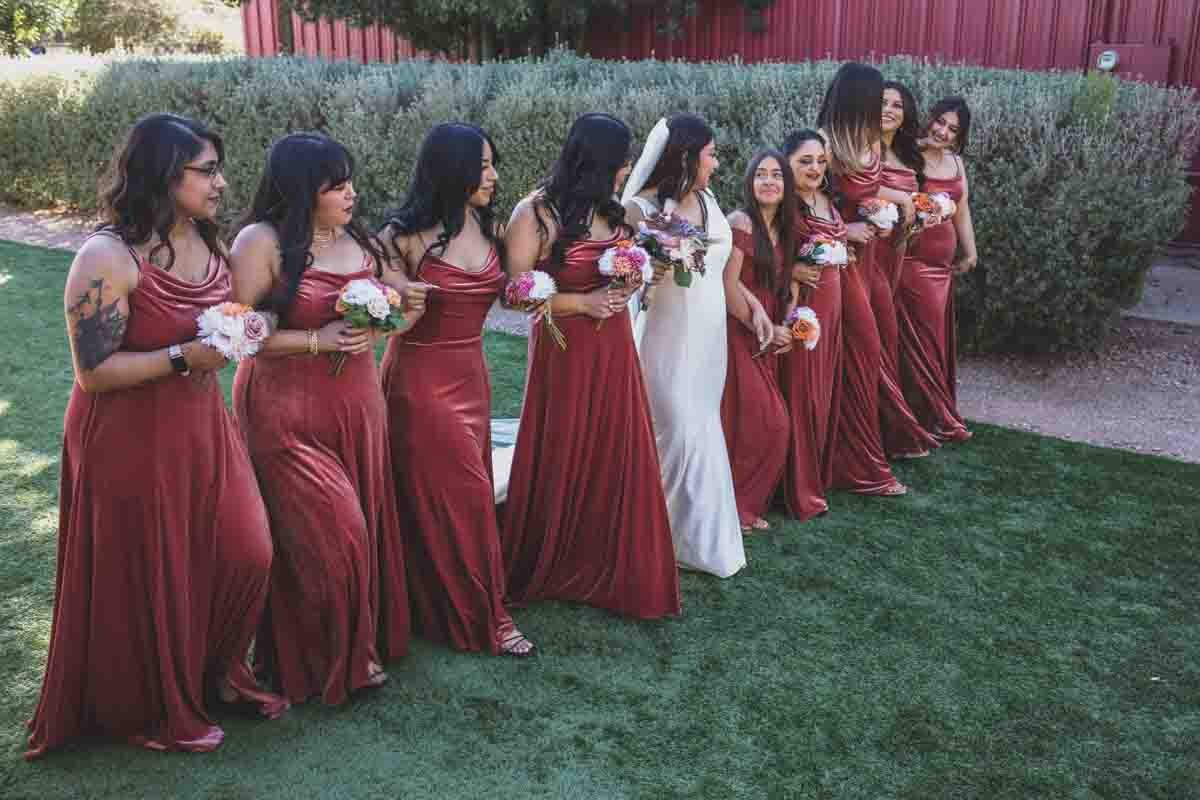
x=439 y=397
x=338 y=607
x=850 y=118
x=753 y=414
x=903 y=435
x=926 y=298
x=812 y=380
x=161 y=579
x=586 y=518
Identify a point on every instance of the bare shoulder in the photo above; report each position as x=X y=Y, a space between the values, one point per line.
x=257 y=236
x=740 y=221
x=102 y=260
x=531 y=216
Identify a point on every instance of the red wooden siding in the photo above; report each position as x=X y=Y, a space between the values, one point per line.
x=324 y=39
x=1034 y=34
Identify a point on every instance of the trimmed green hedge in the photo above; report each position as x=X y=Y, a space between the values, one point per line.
x=1075 y=180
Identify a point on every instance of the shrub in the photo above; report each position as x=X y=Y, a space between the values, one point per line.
x=1075 y=180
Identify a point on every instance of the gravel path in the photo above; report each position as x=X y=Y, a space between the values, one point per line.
x=1140 y=391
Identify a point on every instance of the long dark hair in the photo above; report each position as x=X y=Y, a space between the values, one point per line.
x=447 y=173
x=959 y=106
x=851 y=114
x=765 y=268
x=137 y=194
x=675 y=173
x=580 y=184
x=904 y=142
x=793 y=143
x=299 y=167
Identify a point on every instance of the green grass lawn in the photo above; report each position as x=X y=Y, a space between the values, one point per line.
x=1026 y=623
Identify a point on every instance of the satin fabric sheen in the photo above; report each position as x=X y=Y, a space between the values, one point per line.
x=164 y=553
x=903 y=435
x=928 y=337
x=812 y=383
x=859 y=464
x=683 y=347
x=753 y=414
x=338 y=603
x=439 y=399
x=586 y=518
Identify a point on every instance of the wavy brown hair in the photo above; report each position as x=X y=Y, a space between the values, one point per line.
x=137 y=193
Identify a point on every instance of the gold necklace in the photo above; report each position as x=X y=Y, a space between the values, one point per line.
x=322 y=239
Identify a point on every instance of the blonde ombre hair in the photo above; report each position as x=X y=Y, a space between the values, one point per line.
x=851 y=115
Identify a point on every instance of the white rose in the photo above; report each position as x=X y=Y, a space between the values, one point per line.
x=358 y=292
x=378 y=306
x=544 y=287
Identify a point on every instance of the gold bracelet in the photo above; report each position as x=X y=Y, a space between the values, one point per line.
x=312 y=342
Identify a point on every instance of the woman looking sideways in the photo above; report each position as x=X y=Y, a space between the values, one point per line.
x=586 y=520
x=682 y=343
x=443 y=240
x=161 y=578
x=338 y=607
x=850 y=119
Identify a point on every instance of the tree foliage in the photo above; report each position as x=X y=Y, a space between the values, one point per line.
x=480 y=29
x=24 y=23
x=104 y=25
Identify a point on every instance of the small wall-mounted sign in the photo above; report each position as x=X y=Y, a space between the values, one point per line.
x=1107 y=60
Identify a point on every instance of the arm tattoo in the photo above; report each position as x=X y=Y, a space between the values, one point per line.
x=99 y=328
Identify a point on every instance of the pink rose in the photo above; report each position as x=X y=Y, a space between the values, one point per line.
x=256 y=327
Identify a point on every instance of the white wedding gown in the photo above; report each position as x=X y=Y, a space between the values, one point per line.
x=681 y=339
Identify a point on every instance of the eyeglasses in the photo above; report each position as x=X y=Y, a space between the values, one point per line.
x=212 y=170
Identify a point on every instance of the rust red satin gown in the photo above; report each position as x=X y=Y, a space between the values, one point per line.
x=753 y=414
x=439 y=401
x=925 y=306
x=163 y=548
x=812 y=382
x=903 y=435
x=586 y=519
x=338 y=607
x=859 y=464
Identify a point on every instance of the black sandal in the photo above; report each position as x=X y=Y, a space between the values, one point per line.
x=508 y=646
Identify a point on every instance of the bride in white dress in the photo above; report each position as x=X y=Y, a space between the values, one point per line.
x=681 y=341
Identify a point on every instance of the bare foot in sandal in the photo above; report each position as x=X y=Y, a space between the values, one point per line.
x=516 y=645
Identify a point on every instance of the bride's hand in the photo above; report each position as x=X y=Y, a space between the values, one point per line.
x=660 y=269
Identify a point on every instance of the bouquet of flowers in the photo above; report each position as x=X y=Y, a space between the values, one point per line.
x=237 y=331
x=531 y=292
x=931 y=210
x=880 y=213
x=819 y=251
x=626 y=265
x=823 y=252
x=671 y=239
x=367 y=303
x=805 y=328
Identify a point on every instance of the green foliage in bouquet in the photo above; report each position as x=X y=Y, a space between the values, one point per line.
x=1075 y=180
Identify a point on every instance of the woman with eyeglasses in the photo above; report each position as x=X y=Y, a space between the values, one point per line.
x=164 y=553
